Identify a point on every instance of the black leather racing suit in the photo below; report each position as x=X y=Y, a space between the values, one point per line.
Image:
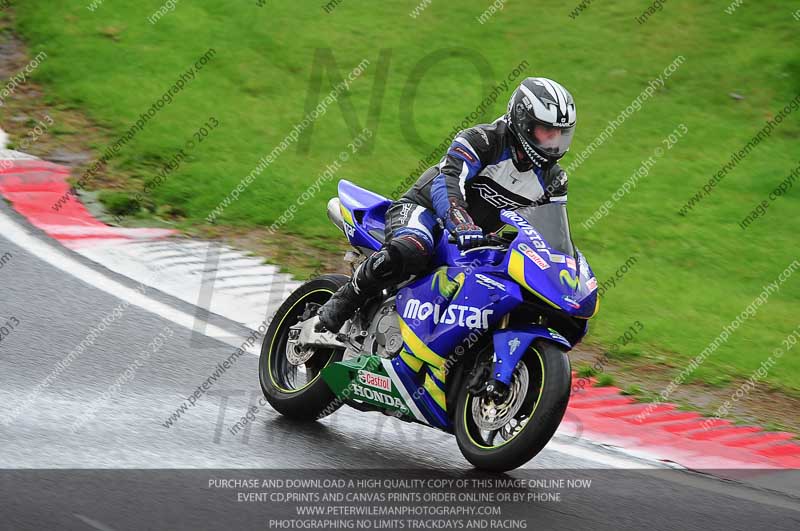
x=479 y=173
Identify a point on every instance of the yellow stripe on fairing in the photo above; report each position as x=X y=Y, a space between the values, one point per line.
x=348 y=217
x=411 y=361
x=516 y=270
x=418 y=348
x=436 y=393
x=438 y=373
x=596 y=306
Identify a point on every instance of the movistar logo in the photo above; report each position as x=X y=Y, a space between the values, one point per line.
x=568 y=279
x=468 y=316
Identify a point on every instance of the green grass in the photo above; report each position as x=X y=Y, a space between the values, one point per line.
x=604 y=380
x=632 y=390
x=119 y=203
x=695 y=273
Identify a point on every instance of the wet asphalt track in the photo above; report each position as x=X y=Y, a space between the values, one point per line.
x=55 y=312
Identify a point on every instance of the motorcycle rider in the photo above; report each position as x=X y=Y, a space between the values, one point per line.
x=508 y=164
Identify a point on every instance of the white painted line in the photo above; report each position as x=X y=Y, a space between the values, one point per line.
x=568 y=446
x=68 y=264
x=237 y=263
x=246 y=277
x=387 y=365
x=93 y=523
x=82 y=230
x=171 y=243
x=10 y=154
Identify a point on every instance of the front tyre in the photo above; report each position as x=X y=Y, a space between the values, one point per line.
x=501 y=437
x=290 y=379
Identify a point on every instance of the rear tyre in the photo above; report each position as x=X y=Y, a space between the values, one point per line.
x=297 y=390
x=501 y=437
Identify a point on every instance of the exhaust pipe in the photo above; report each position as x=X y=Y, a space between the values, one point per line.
x=335 y=213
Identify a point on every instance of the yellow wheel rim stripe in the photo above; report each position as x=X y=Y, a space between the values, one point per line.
x=272 y=344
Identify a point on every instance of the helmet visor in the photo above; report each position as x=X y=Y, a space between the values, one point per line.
x=553 y=141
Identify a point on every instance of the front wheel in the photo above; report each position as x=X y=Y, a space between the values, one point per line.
x=290 y=376
x=500 y=437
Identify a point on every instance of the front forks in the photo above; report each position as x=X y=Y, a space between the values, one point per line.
x=483 y=382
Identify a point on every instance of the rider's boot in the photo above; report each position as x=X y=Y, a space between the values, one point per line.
x=375 y=274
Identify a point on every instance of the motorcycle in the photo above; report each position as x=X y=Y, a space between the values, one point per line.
x=477 y=347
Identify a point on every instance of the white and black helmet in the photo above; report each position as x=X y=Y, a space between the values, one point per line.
x=544 y=102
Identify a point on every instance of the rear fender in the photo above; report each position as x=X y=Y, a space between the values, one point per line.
x=363 y=214
x=511 y=343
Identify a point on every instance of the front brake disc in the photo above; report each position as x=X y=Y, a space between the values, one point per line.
x=489 y=416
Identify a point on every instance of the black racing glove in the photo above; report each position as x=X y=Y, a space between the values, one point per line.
x=460 y=225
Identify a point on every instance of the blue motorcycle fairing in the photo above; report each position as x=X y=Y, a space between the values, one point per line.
x=441 y=311
x=510 y=345
x=562 y=281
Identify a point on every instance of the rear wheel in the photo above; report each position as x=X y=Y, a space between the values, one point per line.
x=503 y=436
x=290 y=376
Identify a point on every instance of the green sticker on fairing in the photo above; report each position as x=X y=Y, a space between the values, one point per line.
x=364 y=379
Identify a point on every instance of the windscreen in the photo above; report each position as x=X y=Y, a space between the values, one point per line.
x=551 y=221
